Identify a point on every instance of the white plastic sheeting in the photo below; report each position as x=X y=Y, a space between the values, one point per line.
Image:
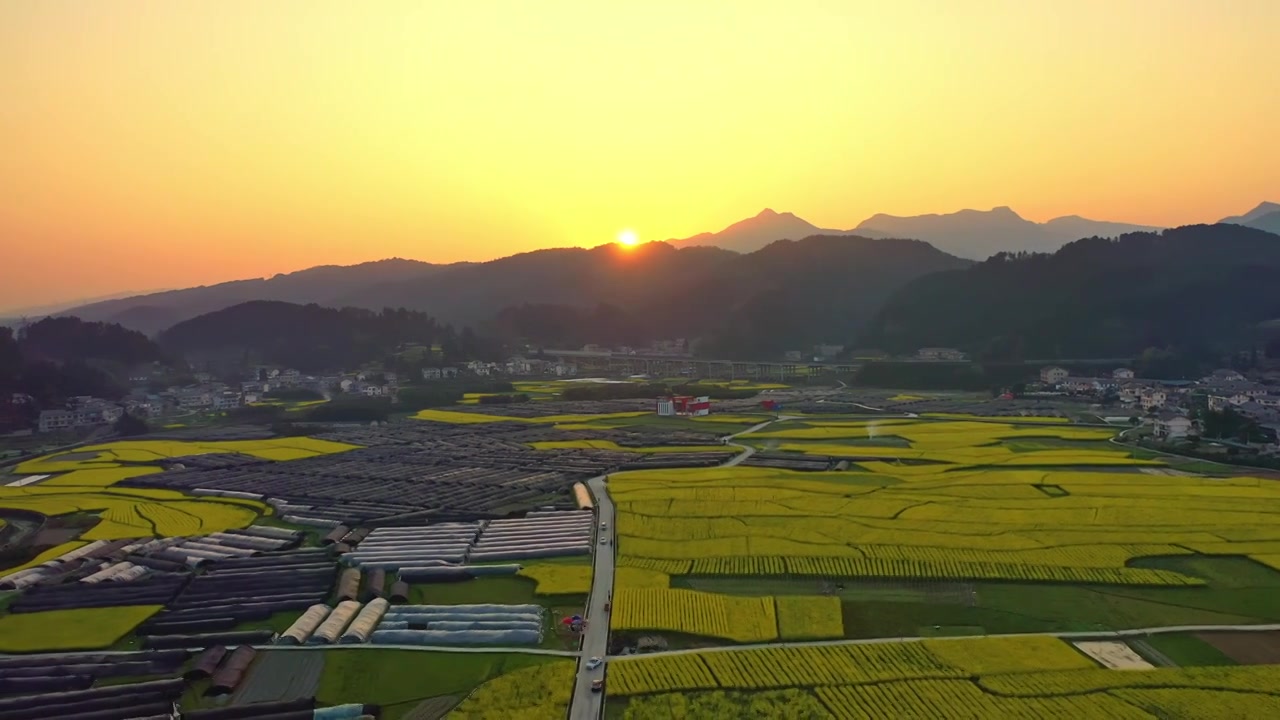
x=362 y=627
x=337 y=621
x=531 y=552
x=269 y=531
x=301 y=629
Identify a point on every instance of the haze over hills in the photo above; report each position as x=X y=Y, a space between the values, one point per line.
x=1264 y=217
x=473 y=293
x=749 y=235
x=973 y=234
x=978 y=234
x=324 y=284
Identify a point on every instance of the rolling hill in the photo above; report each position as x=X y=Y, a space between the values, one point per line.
x=1193 y=286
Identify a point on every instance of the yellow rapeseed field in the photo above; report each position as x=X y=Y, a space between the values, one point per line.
x=136 y=512
x=112 y=455
x=540 y=692
x=741 y=619
x=80 y=629
x=471 y=418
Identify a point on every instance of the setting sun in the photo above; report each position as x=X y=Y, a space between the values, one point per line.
x=628 y=238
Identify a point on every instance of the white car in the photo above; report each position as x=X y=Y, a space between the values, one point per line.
x=594 y=663
x=604 y=541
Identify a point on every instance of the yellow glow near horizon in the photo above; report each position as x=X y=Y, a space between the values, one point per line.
x=628 y=238
x=150 y=145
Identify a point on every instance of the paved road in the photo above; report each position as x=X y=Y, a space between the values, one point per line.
x=588 y=705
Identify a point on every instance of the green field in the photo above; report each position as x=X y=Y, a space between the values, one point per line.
x=400 y=679
x=80 y=629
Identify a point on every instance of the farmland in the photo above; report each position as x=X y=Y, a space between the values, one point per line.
x=76 y=629
x=961 y=678
x=397 y=679
x=117 y=454
x=985 y=525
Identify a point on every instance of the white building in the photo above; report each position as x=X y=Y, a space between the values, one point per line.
x=1122 y=374
x=1053 y=375
x=1171 y=426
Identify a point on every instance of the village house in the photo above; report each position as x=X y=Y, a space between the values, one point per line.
x=1053 y=375
x=1122 y=374
x=1088 y=385
x=80 y=412
x=1222 y=375
x=1153 y=400
x=226 y=400
x=1172 y=426
x=940 y=355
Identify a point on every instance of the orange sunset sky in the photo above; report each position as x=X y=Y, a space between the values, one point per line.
x=167 y=144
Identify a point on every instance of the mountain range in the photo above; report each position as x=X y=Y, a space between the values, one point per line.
x=971 y=234
x=1264 y=217
x=723 y=284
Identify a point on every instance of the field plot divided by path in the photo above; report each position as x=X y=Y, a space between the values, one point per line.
x=280 y=676
x=972 y=508
x=963 y=678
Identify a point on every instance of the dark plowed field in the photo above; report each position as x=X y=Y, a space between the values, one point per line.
x=1246 y=648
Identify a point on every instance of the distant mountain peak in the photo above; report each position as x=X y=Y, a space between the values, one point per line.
x=767 y=212
x=1263 y=208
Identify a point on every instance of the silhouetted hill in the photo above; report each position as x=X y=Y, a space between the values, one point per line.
x=1263 y=209
x=979 y=234
x=626 y=277
x=789 y=295
x=1266 y=216
x=1200 y=285
x=1269 y=222
x=749 y=235
x=56 y=358
x=325 y=284
x=69 y=339
x=307 y=337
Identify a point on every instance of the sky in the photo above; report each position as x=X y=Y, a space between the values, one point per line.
x=159 y=145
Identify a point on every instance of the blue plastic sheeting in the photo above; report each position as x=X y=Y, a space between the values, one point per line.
x=462 y=617
x=484 y=625
x=469 y=608
x=463 y=624
x=460 y=637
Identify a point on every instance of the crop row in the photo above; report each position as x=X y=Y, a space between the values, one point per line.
x=812 y=666
x=851 y=567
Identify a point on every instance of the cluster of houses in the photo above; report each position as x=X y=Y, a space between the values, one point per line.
x=1170 y=403
x=207 y=395
x=516 y=365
